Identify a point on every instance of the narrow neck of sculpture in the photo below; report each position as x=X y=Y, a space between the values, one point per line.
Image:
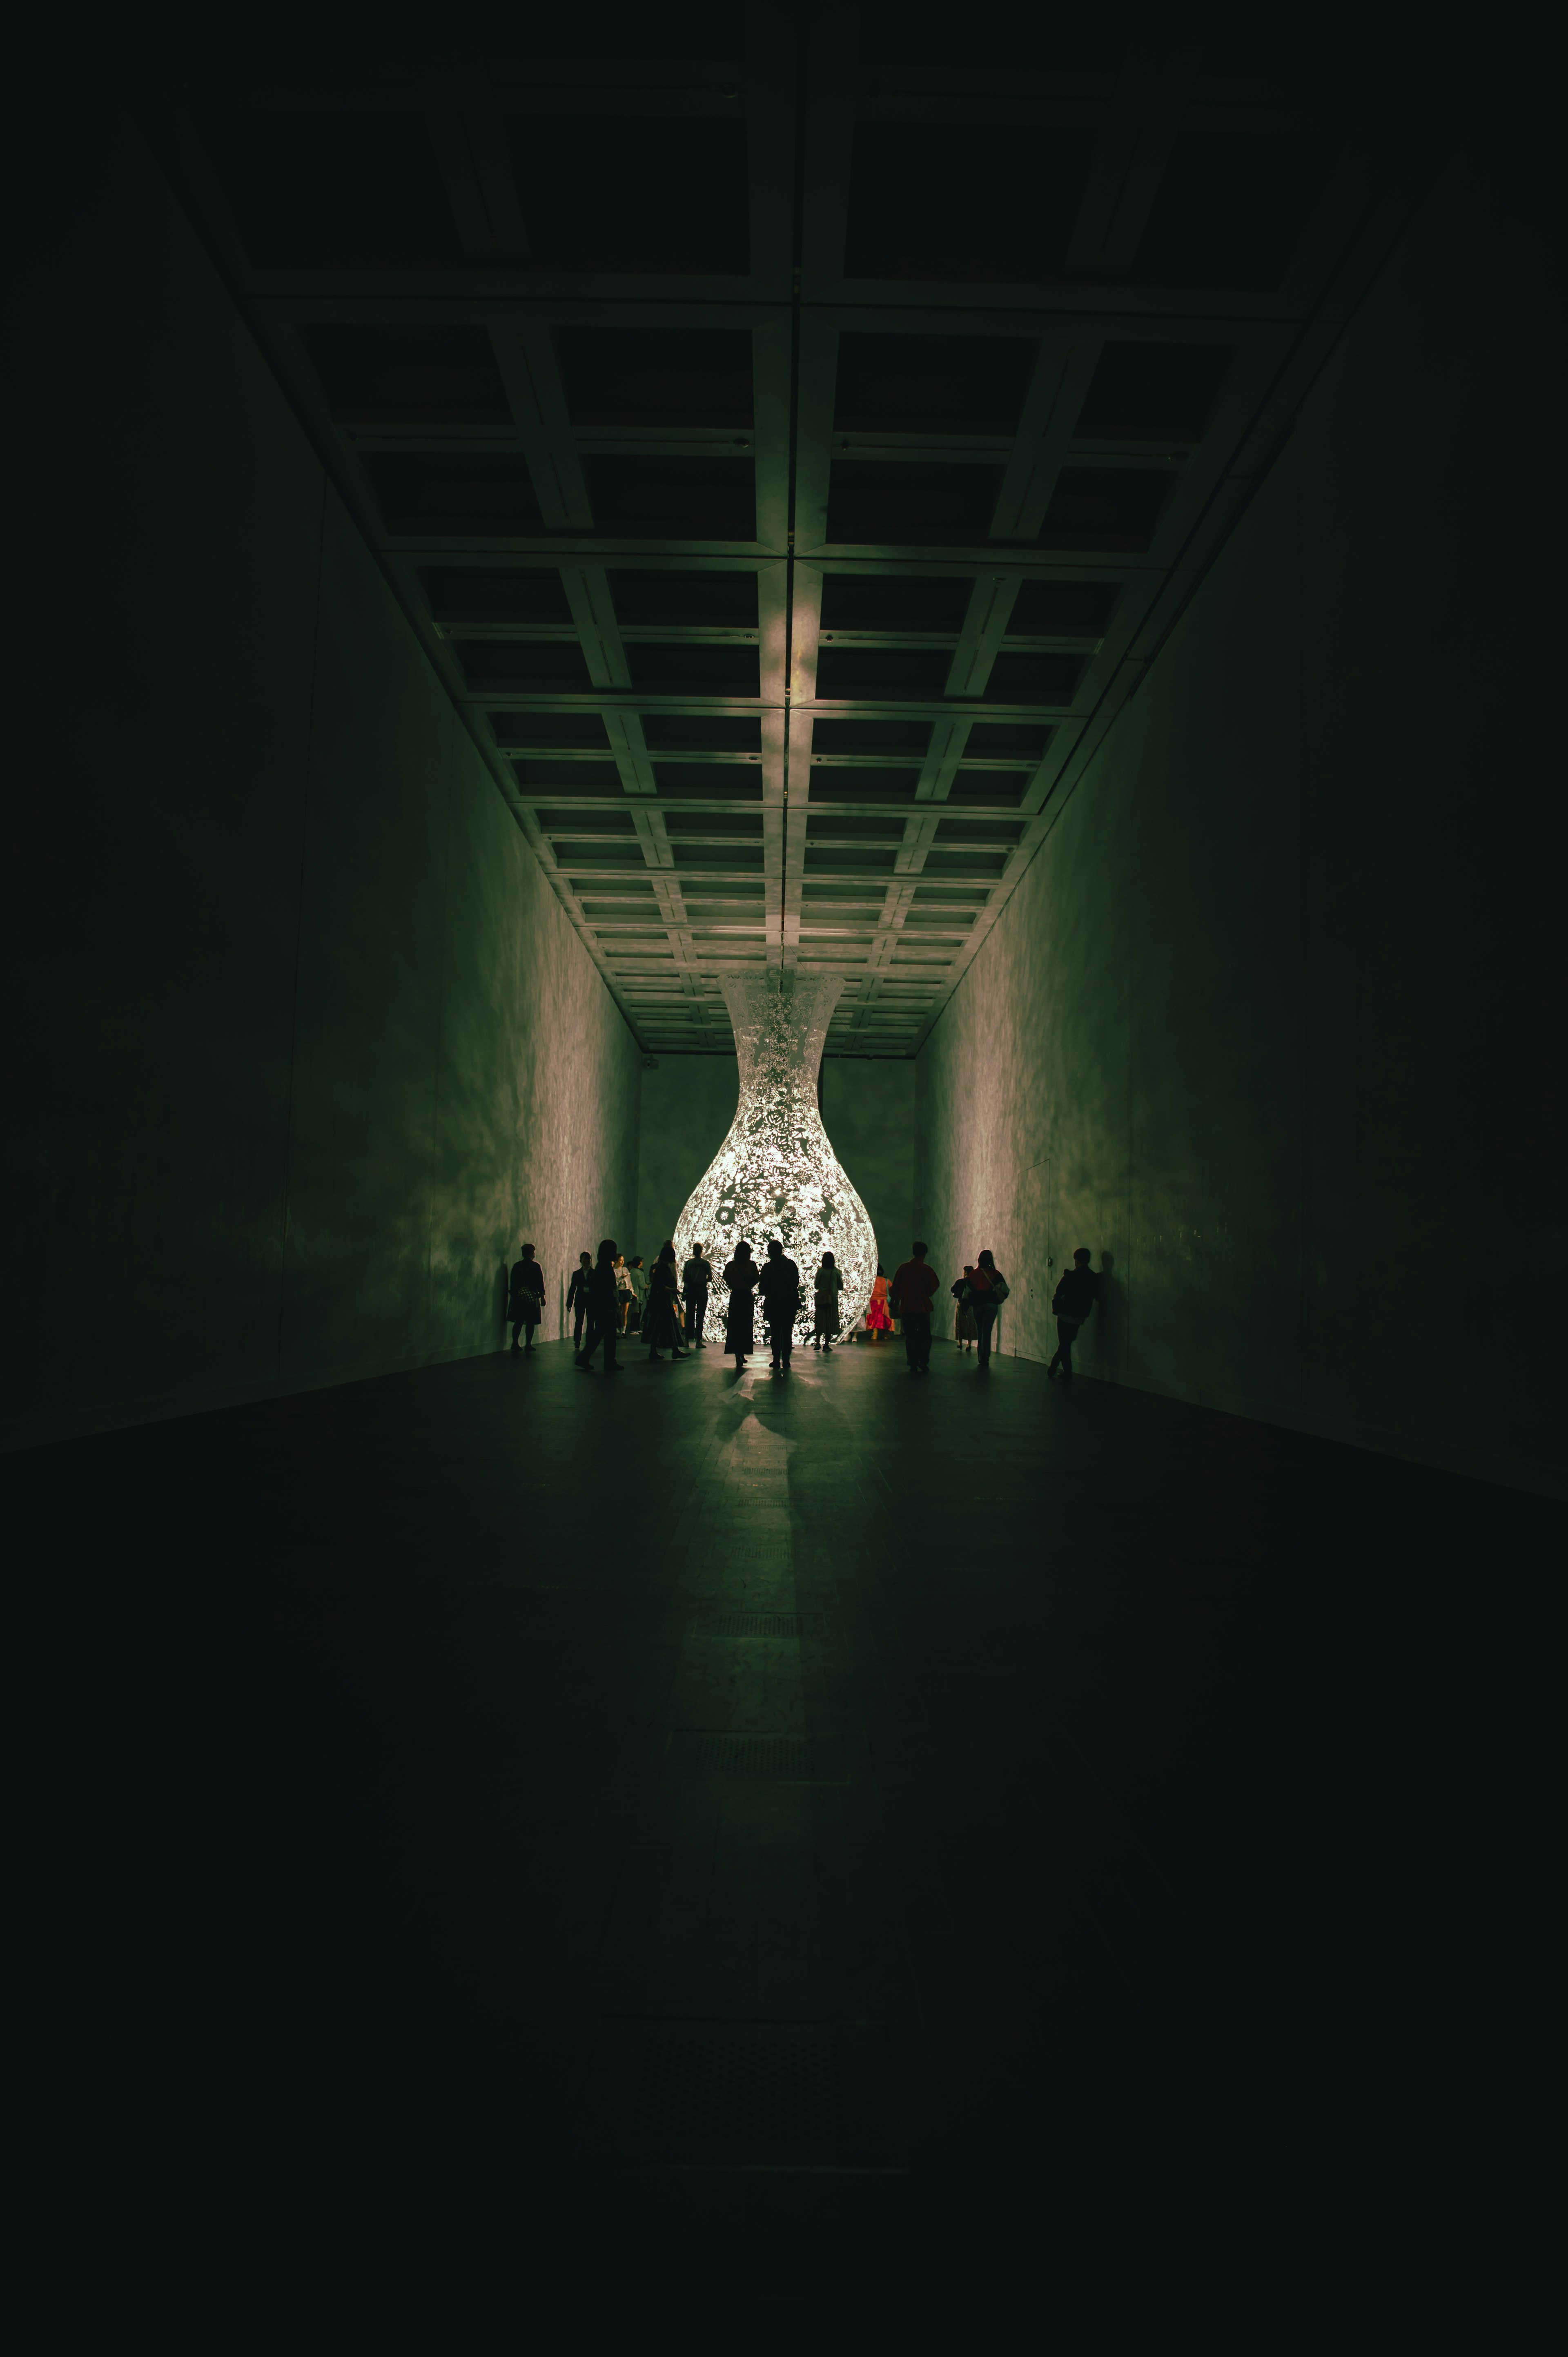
x=781 y=1025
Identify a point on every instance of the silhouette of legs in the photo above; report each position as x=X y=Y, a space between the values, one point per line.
x=1067 y=1335
x=597 y=1334
x=984 y=1320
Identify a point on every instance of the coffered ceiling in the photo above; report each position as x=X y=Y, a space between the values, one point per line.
x=791 y=432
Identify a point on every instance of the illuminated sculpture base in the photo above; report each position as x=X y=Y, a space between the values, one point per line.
x=776 y=1174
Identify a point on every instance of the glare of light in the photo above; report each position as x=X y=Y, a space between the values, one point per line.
x=776 y=1174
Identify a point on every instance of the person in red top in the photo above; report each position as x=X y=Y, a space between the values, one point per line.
x=913 y=1290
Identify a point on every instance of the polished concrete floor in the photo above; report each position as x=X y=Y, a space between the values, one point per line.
x=534 y=1852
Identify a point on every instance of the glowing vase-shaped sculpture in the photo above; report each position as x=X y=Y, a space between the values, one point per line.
x=776 y=1174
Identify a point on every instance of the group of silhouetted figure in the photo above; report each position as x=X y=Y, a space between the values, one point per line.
x=610 y=1298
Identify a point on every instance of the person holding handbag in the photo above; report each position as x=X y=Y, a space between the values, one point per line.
x=988 y=1291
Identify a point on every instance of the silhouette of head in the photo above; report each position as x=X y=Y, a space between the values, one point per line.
x=698 y=1249
x=985 y=1261
x=666 y=1252
x=743 y=1250
x=637 y=1259
x=827 y=1261
x=1082 y=1256
x=919 y=1251
x=528 y=1252
x=774 y=1248
x=584 y=1260
x=608 y=1251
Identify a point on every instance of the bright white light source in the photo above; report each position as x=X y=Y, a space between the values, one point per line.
x=776 y=1174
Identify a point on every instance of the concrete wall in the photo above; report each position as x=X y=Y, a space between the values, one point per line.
x=868 y=1111
x=868 y=1106
x=1273 y=1023
x=688 y=1105
x=306 y=1041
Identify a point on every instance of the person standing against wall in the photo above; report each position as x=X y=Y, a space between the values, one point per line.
x=603 y=1310
x=912 y=1293
x=577 y=1297
x=988 y=1291
x=1074 y=1297
x=696 y=1279
x=525 y=1306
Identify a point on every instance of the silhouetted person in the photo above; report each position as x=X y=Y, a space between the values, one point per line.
x=912 y=1293
x=696 y=1279
x=660 y=1319
x=577 y=1297
x=741 y=1275
x=603 y=1310
x=965 y=1332
x=826 y=1286
x=637 y=1279
x=525 y=1306
x=988 y=1291
x=779 y=1286
x=1074 y=1297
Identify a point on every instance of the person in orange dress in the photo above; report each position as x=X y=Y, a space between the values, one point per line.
x=877 y=1321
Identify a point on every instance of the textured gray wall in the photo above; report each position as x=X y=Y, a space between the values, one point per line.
x=306 y=1040
x=868 y=1111
x=1273 y=1023
x=688 y=1105
x=868 y=1108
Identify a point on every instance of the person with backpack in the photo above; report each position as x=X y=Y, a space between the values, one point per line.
x=988 y=1289
x=1074 y=1297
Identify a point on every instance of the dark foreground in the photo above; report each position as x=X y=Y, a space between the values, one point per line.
x=848 y=1859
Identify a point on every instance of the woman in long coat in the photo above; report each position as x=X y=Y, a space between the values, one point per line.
x=661 y=1322
x=826 y=1286
x=740 y=1331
